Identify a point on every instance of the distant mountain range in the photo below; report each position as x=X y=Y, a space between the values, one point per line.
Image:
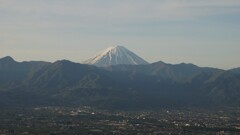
x=153 y=85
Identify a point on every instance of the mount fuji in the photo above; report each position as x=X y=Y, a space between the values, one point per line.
x=116 y=55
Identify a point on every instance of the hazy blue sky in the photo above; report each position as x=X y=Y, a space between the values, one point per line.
x=203 y=32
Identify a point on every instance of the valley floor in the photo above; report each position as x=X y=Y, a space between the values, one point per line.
x=87 y=120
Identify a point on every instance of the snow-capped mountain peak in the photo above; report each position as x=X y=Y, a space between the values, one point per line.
x=115 y=55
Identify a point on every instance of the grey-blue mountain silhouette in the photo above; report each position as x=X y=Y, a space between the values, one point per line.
x=118 y=86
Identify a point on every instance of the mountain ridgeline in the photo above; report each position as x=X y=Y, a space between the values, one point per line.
x=117 y=86
x=65 y=83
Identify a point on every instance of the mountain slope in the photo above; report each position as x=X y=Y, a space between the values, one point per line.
x=178 y=72
x=115 y=56
x=13 y=73
x=120 y=86
x=235 y=70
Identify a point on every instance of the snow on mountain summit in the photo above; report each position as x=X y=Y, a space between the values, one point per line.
x=115 y=55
